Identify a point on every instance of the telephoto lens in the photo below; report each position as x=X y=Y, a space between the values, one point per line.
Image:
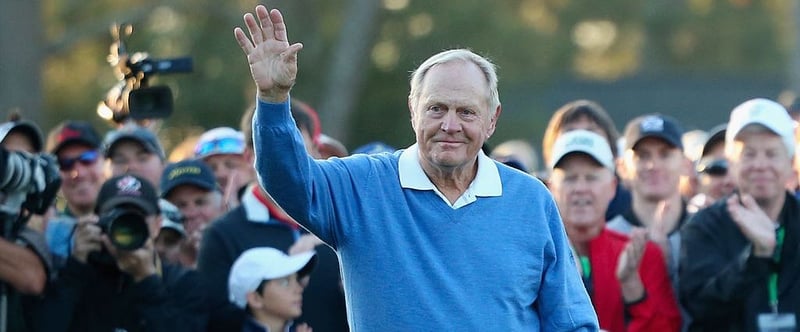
x=126 y=228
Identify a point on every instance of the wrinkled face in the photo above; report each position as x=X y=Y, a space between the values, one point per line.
x=131 y=157
x=198 y=206
x=760 y=165
x=451 y=117
x=582 y=189
x=279 y=298
x=232 y=171
x=82 y=175
x=653 y=169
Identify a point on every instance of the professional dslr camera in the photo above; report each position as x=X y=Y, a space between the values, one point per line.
x=126 y=228
x=28 y=183
x=131 y=97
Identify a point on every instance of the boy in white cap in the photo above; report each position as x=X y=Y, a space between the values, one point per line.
x=269 y=285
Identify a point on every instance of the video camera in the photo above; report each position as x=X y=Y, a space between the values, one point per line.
x=28 y=183
x=132 y=97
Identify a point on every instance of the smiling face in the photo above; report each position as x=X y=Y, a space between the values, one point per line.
x=760 y=164
x=582 y=189
x=653 y=169
x=452 y=117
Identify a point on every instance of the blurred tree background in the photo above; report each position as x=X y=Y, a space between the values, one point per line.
x=694 y=59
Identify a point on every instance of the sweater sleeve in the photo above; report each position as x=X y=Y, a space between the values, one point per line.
x=659 y=310
x=563 y=303
x=285 y=169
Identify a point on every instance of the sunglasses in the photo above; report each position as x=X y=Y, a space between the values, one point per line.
x=718 y=167
x=87 y=158
x=227 y=145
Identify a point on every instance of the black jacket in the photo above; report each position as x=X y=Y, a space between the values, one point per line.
x=723 y=286
x=91 y=297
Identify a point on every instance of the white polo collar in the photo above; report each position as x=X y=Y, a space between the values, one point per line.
x=486 y=183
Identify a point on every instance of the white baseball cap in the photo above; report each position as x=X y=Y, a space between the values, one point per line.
x=582 y=141
x=765 y=112
x=222 y=140
x=258 y=264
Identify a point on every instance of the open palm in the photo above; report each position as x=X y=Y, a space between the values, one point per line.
x=273 y=62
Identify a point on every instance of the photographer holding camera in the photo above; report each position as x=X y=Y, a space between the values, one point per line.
x=27 y=186
x=114 y=280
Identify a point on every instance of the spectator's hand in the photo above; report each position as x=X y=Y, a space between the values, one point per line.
x=139 y=263
x=665 y=220
x=273 y=62
x=628 y=266
x=754 y=224
x=306 y=242
x=87 y=238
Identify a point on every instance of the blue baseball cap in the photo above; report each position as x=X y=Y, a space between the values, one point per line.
x=187 y=172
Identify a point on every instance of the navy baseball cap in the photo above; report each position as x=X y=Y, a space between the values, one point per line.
x=653 y=125
x=187 y=172
x=145 y=137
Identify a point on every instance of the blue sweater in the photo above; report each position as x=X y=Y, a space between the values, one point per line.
x=409 y=261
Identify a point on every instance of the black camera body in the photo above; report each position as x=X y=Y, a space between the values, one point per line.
x=126 y=228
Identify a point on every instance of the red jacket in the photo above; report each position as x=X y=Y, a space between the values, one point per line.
x=659 y=309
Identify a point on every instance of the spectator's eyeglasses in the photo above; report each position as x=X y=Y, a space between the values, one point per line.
x=87 y=158
x=717 y=167
x=226 y=145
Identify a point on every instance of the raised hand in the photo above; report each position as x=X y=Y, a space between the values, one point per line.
x=628 y=266
x=273 y=62
x=754 y=224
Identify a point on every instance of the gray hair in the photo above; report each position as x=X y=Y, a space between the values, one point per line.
x=489 y=71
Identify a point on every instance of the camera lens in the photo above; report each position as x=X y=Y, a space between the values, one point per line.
x=128 y=231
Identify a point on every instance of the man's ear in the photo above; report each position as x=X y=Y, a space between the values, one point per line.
x=493 y=120
x=412 y=115
x=254 y=300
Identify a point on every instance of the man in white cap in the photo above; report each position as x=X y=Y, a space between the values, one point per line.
x=625 y=277
x=269 y=285
x=740 y=264
x=223 y=150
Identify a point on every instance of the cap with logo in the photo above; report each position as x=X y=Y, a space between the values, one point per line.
x=187 y=172
x=127 y=189
x=653 y=125
x=582 y=141
x=141 y=135
x=258 y=264
x=222 y=140
x=72 y=132
x=764 y=112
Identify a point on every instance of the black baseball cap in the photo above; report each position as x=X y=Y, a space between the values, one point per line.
x=127 y=189
x=73 y=132
x=653 y=125
x=187 y=172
